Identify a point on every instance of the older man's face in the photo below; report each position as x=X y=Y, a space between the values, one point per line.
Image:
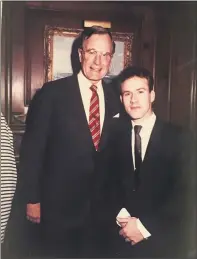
x=96 y=56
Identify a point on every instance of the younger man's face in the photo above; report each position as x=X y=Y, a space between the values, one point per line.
x=136 y=98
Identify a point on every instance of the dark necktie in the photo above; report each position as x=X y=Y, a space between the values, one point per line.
x=94 y=117
x=138 y=156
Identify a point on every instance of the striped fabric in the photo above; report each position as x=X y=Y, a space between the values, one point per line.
x=94 y=117
x=8 y=174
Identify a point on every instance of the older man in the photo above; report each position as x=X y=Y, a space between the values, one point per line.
x=64 y=153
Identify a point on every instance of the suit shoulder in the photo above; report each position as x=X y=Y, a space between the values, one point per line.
x=174 y=132
x=122 y=127
x=54 y=88
x=110 y=88
x=59 y=83
x=111 y=97
x=169 y=127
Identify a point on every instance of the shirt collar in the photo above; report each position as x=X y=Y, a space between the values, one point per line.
x=86 y=83
x=147 y=123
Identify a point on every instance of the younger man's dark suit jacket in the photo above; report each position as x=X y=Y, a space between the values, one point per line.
x=58 y=162
x=161 y=199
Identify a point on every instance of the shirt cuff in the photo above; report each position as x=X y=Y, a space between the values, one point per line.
x=142 y=229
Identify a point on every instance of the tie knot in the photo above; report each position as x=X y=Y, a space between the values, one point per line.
x=93 y=88
x=137 y=129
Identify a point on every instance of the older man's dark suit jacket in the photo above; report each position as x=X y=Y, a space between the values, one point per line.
x=58 y=161
x=161 y=200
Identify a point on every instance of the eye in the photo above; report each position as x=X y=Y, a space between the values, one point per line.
x=126 y=94
x=91 y=52
x=107 y=55
x=141 y=91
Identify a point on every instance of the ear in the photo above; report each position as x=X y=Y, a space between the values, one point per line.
x=80 y=54
x=152 y=96
x=121 y=98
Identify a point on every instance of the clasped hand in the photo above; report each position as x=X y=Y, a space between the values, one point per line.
x=129 y=230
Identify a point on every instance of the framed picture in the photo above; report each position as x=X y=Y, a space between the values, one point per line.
x=61 y=52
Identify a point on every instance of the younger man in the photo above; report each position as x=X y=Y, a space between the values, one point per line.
x=150 y=159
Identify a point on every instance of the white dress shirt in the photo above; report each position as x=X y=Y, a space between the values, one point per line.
x=147 y=127
x=86 y=94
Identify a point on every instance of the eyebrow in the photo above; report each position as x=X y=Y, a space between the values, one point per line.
x=141 y=88
x=123 y=92
x=128 y=91
x=99 y=51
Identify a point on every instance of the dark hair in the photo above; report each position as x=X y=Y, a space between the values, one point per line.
x=133 y=71
x=89 y=31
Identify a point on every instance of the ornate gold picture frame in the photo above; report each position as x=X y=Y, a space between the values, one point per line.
x=58 y=52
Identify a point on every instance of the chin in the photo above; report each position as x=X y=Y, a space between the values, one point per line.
x=134 y=116
x=96 y=79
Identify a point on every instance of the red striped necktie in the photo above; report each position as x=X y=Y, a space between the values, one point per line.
x=94 y=117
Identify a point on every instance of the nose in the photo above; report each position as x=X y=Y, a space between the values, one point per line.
x=97 y=59
x=133 y=98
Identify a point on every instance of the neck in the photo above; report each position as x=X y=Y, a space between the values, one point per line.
x=141 y=120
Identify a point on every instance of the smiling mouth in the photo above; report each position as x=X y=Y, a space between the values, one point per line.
x=95 y=69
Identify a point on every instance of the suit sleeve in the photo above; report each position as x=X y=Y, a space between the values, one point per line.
x=33 y=146
x=172 y=221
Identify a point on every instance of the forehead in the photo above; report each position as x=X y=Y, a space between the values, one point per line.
x=134 y=83
x=99 y=42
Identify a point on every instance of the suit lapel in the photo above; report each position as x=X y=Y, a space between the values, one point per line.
x=128 y=141
x=152 y=148
x=109 y=112
x=125 y=147
x=104 y=132
x=79 y=112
